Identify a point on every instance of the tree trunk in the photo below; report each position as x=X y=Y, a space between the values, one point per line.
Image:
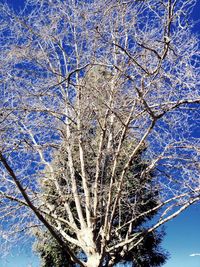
x=94 y=260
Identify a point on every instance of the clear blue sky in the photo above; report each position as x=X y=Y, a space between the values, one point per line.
x=183 y=233
x=182 y=240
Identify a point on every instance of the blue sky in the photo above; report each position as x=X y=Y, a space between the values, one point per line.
x=182 y=234
x=182 y=240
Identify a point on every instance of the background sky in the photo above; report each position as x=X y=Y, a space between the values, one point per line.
x=182 y=234
x=182 y=239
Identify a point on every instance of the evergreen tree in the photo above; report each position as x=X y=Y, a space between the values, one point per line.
x=147 y=253
x=51 y=254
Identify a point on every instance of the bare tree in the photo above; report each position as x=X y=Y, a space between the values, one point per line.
x=99 y=80
x=142 y=197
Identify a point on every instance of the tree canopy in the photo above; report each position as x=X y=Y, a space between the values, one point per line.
x=99 y=102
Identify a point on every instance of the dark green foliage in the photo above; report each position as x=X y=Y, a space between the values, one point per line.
x=147 y=254
x=50 y=253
